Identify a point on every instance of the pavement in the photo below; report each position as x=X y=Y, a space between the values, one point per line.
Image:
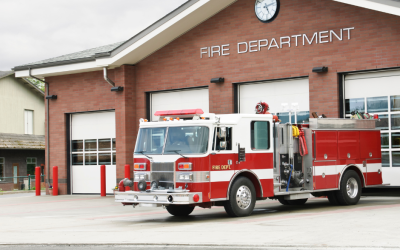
x=93 y=222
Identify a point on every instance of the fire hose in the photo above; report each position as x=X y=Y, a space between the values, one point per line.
x=302 y=144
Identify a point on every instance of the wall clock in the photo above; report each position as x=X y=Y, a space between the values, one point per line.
x=267 y=10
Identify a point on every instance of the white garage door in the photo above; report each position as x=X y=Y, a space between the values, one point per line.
x=379 y=93
x=183 y=99
x=275 y=93
x=92 y=145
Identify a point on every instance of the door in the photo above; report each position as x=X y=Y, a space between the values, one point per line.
x=275 y=93
x=325 y=159
x=378 y=93
x=176 y=100
x=15 y=175
x=222 y=162
x=93 y=144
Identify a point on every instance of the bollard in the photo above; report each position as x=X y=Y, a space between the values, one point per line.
x=127 y=175
x=55 y=181
x=37 y=173
x=103 y=180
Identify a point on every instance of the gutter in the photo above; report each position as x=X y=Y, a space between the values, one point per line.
x=47 y=127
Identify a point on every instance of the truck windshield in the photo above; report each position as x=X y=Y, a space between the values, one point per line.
x=180 y=140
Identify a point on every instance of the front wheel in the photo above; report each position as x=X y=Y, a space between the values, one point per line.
x=242 y=198
x=350 y=189
x=180 y=210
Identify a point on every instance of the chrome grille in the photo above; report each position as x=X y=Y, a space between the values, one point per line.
x=164 y=173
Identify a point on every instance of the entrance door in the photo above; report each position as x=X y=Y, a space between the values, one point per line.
x=15 y=175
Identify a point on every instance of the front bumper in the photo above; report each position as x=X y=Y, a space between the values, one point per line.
x=157 y=198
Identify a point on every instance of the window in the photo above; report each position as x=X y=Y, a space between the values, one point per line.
x=300 y=117
x=28 y=122
x=2 y=169
x=93 y=152
x=260 y=135
x=227 y=139
x=388 y=110
x=31 y=164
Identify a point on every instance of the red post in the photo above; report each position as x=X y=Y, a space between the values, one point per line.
x=55 y=181
x=37 y=177
x=127 y=175
x=103 y=180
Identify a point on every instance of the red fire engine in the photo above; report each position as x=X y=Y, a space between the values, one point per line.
x=189 y=159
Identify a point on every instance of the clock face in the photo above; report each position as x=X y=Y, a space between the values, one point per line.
x=267 y=10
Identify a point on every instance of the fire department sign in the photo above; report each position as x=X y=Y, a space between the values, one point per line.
x=327 y=36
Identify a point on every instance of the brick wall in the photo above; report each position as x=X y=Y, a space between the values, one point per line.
x=90 y=92
x=373 y=44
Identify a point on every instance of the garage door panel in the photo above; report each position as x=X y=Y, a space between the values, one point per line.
x=87 y=179
x=93 y=125
x=175 y=100
x=274 y=93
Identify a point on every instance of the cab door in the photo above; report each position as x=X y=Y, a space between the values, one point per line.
x=222 y=162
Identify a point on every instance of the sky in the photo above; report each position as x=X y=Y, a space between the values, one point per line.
x=34 y=30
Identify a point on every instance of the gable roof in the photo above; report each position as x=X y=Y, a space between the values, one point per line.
x=156 y=36
x=24 y=81
x=5 y=73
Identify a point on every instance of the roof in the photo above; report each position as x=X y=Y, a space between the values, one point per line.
x=25 y=81
x=156 y=36
x=18 y=141
x=81 y=56
x=5 y=73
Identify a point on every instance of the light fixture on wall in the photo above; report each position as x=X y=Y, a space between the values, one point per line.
x=217 y=80
x=118 y=88
x=321 y=69
x=51 y=97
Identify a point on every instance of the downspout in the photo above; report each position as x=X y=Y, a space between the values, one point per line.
x=106 y=77
x=47 y=127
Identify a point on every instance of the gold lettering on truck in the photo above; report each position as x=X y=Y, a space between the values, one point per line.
x=221 y=167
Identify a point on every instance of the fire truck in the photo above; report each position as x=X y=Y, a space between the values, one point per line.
x=188 y=158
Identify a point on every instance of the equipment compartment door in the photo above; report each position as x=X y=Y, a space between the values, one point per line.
x=374 y=172
x=325 y=175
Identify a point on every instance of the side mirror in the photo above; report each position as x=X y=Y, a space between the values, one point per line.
x=222 y=132
x=222 y=145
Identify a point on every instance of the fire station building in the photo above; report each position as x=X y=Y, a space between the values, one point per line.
x=222 y=56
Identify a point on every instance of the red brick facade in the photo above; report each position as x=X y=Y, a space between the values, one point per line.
x=373 y=45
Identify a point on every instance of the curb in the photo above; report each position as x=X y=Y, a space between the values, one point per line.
x=17 y=192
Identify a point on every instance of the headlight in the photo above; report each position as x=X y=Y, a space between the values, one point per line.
x=186 y=177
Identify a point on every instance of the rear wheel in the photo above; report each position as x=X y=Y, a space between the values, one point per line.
x=283 y=201
x=350 y=189
x=242 y=198
x=180 y=210
x=332 y=198
x=297 y=202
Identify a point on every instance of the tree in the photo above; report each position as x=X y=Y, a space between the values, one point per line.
x=37 y=83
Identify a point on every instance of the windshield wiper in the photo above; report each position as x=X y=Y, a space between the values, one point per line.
x=142 y=152
x=177 y=151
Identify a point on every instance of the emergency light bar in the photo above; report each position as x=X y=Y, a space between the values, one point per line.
x=179 y=112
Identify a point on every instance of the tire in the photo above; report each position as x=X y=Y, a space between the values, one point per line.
x=298 y=202
x=283 y=202
x=180 y=210
x=332 y=198
x=242 y=198
x=350 y=189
